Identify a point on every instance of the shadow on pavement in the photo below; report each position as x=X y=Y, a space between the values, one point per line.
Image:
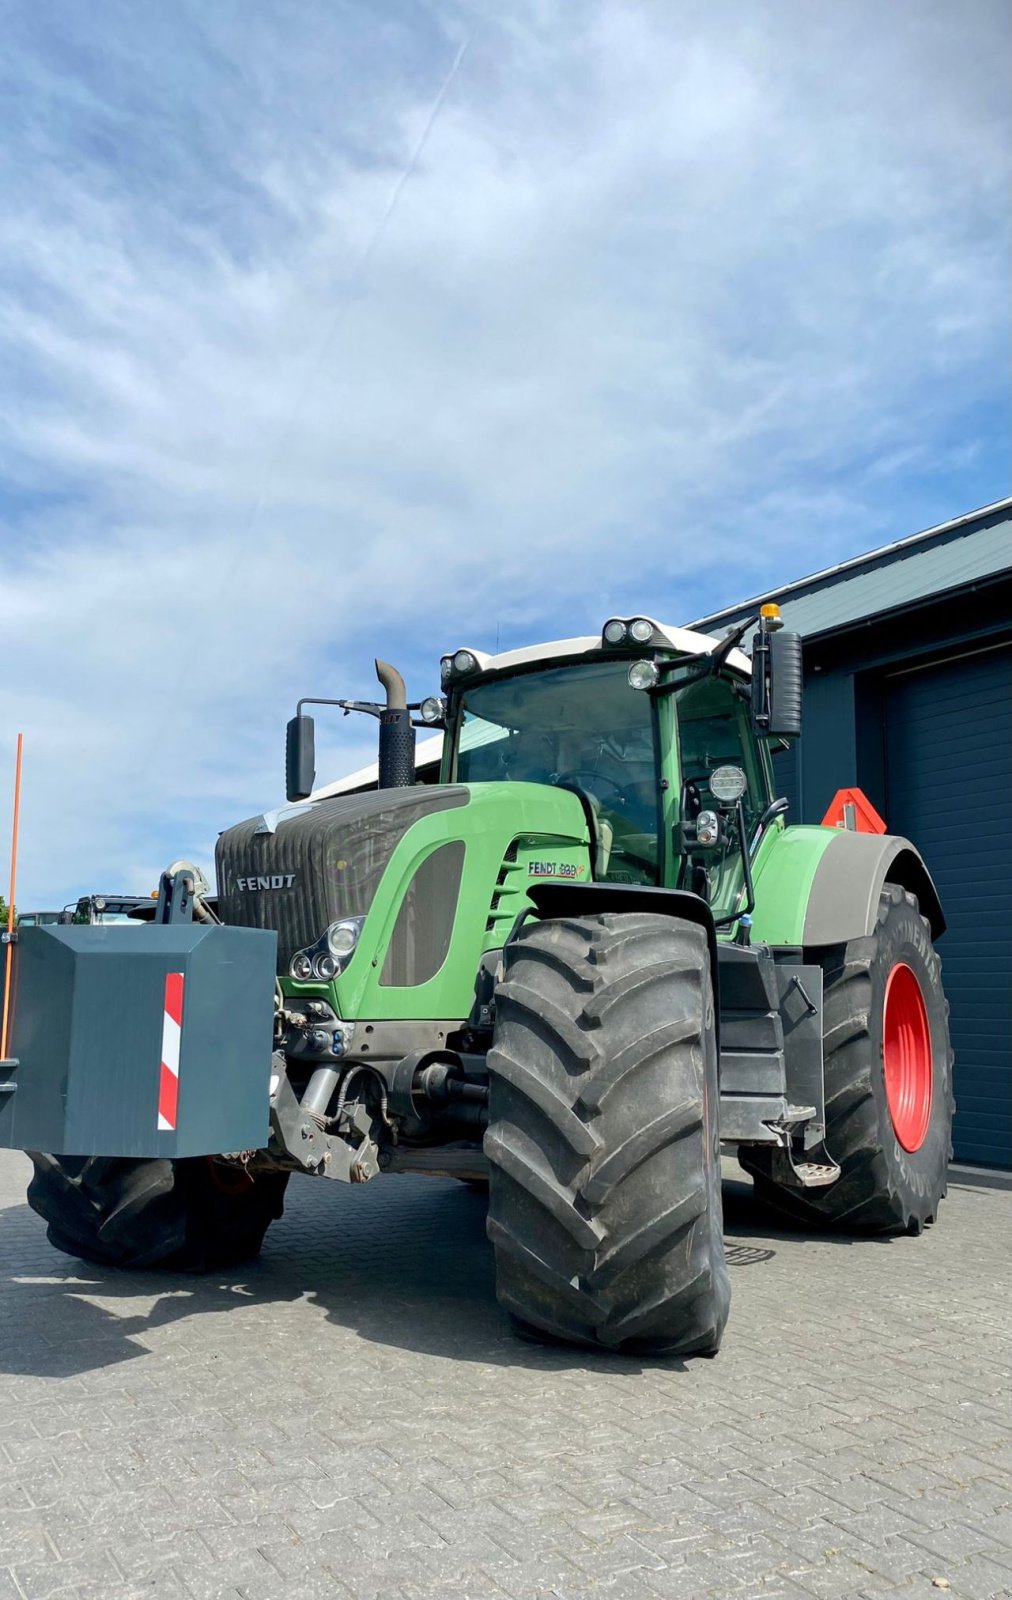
x=403 y=1263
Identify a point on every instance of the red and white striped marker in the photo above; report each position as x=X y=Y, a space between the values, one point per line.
x=172 y=1021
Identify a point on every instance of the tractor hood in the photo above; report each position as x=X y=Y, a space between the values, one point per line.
x=303 y=867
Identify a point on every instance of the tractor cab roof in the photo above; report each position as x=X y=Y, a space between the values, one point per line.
x=684 y=641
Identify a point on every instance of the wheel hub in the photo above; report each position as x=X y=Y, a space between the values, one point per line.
x=906 y=1056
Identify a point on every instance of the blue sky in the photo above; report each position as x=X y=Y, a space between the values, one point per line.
x=339 y=330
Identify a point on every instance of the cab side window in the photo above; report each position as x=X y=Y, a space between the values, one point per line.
x=714 y=731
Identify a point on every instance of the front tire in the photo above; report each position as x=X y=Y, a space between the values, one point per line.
x=888 y=1066
x=604 y=1198
x=194 y=1215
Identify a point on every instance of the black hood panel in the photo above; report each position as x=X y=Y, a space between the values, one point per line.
x=320 y=864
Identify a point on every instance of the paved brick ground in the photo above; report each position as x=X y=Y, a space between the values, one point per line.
x=350 y=1417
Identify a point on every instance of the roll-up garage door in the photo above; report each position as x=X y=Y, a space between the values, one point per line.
x=948 y=745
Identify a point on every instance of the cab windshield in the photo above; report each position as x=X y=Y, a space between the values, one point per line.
x=112 y=911
x=579 y=727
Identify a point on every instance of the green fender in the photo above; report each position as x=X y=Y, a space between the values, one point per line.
x=821 y=886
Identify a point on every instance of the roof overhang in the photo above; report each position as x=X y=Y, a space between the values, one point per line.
x=970 y=550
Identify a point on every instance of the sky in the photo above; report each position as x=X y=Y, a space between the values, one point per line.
x=337 y=330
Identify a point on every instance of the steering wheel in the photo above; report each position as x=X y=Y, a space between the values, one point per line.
x=574 y=776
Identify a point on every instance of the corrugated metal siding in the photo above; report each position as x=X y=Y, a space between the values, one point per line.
x=980 y=553
x=941 y=559
x=948 y=737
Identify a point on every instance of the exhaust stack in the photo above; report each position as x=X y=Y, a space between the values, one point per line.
x=396 y=735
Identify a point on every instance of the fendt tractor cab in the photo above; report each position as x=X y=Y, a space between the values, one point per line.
x=590 y=955
x=105 y=909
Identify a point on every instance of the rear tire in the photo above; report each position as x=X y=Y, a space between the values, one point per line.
x=883 y=1187
x=604 y=1198
x=194 y=1215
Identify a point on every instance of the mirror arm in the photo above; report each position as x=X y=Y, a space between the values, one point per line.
x=761 y=682
x=346 y=705
x=729 y=642
x=747 y=909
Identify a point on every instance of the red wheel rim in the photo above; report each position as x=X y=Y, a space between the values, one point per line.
x=906 y=1056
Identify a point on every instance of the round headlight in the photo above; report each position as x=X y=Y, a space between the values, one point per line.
x=614 y=631
x=99 y=902
x=445 y=670
x=641 y=630
x=432 y=709
x=464 y=661
x=643 y=674
x=342 y=938
x=728 y=783
x=324 y=966
x=301 y=967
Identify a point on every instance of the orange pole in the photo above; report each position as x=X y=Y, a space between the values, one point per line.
x=10 y=903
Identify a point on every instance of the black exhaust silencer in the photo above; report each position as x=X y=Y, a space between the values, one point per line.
x=396 y=735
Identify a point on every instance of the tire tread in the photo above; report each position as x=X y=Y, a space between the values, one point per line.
x=143 y=1213
x=612 y=1239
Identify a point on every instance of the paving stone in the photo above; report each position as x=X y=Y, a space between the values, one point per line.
x=955 y=1541
x=997 y=1525
x=350 y=1417
x=978 y=1579
x=52 y=1578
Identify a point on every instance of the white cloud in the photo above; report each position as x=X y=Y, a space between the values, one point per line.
x=673 y=304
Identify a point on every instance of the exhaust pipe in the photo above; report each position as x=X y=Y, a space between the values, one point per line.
x=396 y=735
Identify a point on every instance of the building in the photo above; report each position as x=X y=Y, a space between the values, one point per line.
x=908 y=695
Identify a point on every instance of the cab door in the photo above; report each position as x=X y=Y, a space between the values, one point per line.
x=713 y=730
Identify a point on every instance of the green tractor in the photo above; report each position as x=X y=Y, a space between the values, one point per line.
x=577 y=967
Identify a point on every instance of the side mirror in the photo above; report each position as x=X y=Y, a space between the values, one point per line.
x=786 y=688
x=300 y=758
x=776 y=684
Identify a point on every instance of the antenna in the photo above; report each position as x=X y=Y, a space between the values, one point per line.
x=10 y=903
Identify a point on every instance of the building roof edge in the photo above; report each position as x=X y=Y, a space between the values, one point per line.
x=727 y=613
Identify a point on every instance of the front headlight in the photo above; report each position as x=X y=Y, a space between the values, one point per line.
x=464 y=661
x=342 y=937
x=615 y=631
x=328 y=957
x=641 y=630
x=708 y=828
